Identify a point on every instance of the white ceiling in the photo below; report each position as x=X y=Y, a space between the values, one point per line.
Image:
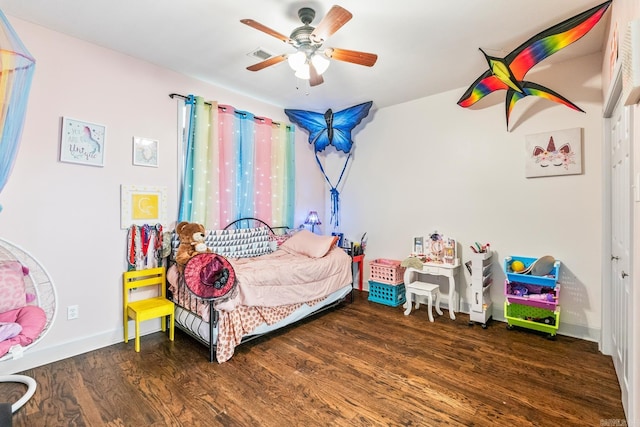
x=423 y=47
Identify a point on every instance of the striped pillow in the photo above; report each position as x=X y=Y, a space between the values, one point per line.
x=239 y=243
x=233 y=243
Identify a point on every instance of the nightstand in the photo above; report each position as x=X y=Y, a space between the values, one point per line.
x=356 y=260
x=359 y=260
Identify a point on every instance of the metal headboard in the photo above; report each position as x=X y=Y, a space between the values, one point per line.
x=250 y=222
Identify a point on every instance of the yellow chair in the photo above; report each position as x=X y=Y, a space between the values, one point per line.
x=150 y=308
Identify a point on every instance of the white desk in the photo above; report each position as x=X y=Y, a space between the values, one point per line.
x=446 y=270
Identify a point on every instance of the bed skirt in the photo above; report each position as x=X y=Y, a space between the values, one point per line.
x=201 y=330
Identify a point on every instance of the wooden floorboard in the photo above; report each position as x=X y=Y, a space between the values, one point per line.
x=362 y=364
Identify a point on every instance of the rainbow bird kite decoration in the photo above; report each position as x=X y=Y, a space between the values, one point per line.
x=508 y=72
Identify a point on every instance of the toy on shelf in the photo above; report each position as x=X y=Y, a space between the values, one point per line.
x=532 y=292
x=436 y=249
x=477 y=248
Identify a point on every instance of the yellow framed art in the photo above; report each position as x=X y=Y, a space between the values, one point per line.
x=141 y=205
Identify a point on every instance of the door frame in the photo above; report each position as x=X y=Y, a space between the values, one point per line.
x=605 y=344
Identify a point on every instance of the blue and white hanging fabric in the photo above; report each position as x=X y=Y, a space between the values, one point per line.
x=16 y=72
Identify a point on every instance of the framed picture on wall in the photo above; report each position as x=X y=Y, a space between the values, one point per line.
x=82 y=142
x=145 y=152
x=140 y=205
x=554 y=153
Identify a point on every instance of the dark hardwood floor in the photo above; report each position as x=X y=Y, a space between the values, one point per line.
x=361 y=364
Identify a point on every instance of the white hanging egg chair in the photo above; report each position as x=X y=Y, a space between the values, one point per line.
x=41 y=290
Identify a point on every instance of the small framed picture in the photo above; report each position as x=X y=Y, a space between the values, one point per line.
x=82 y=142
x=554 y=153
x=142 y=204
x=145 y=152
x=418 y=245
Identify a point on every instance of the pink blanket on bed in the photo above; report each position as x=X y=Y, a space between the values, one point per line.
x=282 y=278
x=270 y=287
x=274 y=280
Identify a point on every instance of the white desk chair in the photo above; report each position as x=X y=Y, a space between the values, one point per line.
x=430 y=290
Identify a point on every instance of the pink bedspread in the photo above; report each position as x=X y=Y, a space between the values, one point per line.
x=270 y=287
x=281 y=278
x=274 y=280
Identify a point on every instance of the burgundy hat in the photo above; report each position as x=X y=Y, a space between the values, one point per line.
x=209 y=276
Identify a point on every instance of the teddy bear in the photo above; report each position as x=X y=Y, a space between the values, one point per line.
x=192 y=242
x=198 y=243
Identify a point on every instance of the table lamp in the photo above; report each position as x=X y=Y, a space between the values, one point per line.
x=313 y=220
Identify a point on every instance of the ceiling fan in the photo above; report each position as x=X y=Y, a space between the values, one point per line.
x=311 y=59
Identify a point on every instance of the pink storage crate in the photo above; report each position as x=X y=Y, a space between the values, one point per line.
x=386 y=271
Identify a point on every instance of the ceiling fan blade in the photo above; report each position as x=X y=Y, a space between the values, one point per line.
x=353 y=56
x=333 y=20
x=265 y=29
x=267 y=62
x=315 y=78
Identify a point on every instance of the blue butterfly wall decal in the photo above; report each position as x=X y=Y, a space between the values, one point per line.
x=331 y=129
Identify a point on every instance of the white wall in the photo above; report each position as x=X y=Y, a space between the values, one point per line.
x=68 y=215
x=431 y=165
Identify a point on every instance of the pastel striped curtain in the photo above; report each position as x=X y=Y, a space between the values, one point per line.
x=195 y=190
x=283 y=174
x=235 y=165
x=245 y=155
x=263 y=171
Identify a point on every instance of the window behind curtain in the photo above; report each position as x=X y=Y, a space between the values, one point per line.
x=233 y=164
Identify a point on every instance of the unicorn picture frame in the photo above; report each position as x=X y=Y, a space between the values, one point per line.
x=82 y=142
x=554 y=153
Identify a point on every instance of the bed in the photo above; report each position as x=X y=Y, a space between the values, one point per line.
x=281 y=278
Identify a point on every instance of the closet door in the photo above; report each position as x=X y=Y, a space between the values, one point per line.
x=621 y=281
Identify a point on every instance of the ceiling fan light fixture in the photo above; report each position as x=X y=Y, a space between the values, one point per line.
x=320 y=62
x=311 y=59
x=303 y=72
x=297 y=60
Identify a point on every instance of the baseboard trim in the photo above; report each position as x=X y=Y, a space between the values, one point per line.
x=566 y=329
x=43 y=355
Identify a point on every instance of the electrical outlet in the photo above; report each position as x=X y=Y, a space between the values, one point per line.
x=73 y=312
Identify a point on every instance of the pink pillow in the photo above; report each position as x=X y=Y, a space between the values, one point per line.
x=307 y=243
x=33 y=319
x=12 y=288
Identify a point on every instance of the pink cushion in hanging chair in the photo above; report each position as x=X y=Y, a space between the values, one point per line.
x=12 y=286
x=32 y=319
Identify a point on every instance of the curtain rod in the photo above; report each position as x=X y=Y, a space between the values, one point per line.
x=174 y=95
x=177 y=95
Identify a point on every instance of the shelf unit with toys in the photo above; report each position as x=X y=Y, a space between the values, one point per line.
x=481 y=279
x=532 y=297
